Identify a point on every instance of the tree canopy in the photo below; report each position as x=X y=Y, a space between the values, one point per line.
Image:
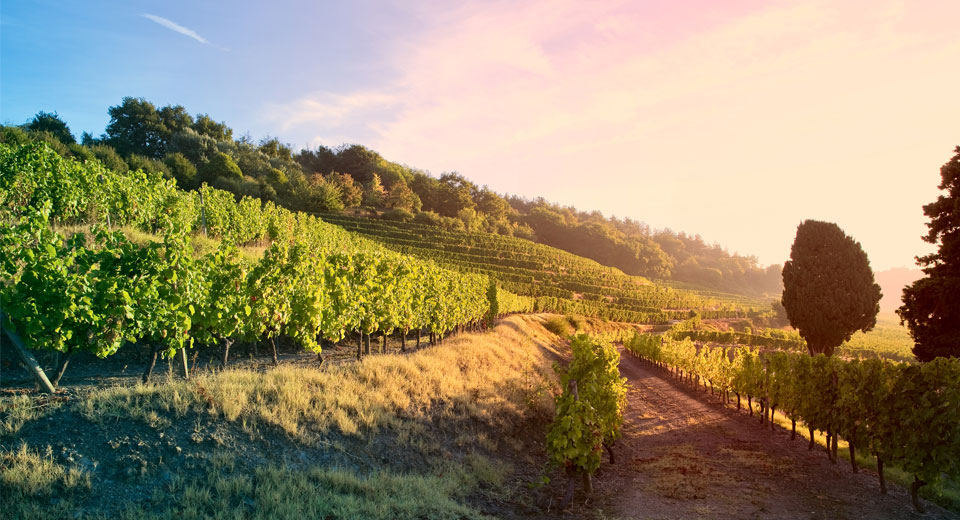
x=828 y=287
x=47 y=122
x=931 y=306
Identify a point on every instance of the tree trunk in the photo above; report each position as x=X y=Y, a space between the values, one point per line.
x=853 y=459
x=273 y=344
x=793 y=429
x=184 y=370
x=360 y=346
x=750 y=404
x=773 y=410
x=366 y=344
x=418 y=338
x=836 y=438
x=883 y=481
x=153 y=362
x=831 y=437
x=914 y=494
x=812 y=442
x=403 y=340
x=738 y=401
x=64 y=361
x=587 y=483
x=383 y=343
x=609 y=448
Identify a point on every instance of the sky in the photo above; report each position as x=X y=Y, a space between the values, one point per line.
x=734 y=120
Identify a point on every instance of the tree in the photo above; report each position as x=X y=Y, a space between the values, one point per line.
x=400 y=196
x=828 y=287
x=175 y=119
x=182 y=170
x=931 y=306
x=47 y=122
x=373 y=192
x=320 y=194
x=220 y=165
x=109 y=157
x=455 y=194
x=352 y=193
x=136 y=127
x=139 y=162
x=206 y=126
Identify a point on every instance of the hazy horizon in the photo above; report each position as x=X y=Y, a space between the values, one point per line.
x=733 y=123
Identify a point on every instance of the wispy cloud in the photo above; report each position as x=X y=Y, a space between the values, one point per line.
x=173 y=26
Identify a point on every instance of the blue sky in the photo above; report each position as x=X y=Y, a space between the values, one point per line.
x=735 y=120
x=79 y=58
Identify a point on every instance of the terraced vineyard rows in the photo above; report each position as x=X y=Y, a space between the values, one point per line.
x=69 y=292
x=561 y=281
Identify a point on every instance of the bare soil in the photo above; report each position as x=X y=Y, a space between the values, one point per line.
x=684 y=454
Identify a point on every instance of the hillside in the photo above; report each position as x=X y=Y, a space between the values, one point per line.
x=194 y=150
x=561 y=281
x=452 y=431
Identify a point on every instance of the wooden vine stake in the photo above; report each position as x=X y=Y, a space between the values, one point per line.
x=28 y=360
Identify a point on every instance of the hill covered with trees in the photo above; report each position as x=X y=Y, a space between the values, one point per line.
x=195 y=150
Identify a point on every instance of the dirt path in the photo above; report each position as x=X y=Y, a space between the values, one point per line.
x=684 y=455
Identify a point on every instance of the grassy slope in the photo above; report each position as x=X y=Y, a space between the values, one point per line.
x=440 y=433
x=889 y=339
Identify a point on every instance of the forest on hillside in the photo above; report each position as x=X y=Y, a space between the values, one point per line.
x=197 y=149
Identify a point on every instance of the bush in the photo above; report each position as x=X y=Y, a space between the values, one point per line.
x=577 y=322
x=398 y=214
x=430 y=218
x=559 y=326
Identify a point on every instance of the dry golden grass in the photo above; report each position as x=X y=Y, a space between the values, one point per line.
x=491 y=378
x=26 y=473
x=454 y=407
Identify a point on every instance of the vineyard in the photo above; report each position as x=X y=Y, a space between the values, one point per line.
x=902 y=414
x=98 y=262
x=97 y=291
x=560 y=281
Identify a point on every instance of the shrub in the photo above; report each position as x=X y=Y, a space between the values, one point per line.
x=559 y=326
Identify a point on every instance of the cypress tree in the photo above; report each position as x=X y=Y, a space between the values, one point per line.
x=828 y=287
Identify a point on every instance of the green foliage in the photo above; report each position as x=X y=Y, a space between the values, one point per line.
x=182 y=170
x=321 y=194
x=559 y=326
x=931 y=305
x=398 y=215
x=905 y=414
x=139 y=162
x=47 y=122
x=220 y=165
x=109 y=158
x=374 y=193
x=829 y=291
x=136 y=127
x=314 y=279
x=351 y=192
x=590 y=408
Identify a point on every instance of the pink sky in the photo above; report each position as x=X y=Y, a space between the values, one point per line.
x=735 y=123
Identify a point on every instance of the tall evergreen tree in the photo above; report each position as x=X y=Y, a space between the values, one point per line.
x=828 y=287
x=931 y=306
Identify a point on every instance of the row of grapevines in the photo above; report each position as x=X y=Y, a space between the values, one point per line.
x=589 y=411
x=905 y=414
x=97 y=293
